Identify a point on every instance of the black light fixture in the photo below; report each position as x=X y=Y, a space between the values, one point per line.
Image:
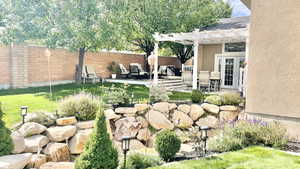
x=24 y=111
x=204 y=136
x=126 y=146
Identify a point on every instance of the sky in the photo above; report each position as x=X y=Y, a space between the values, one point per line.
x=239 y=9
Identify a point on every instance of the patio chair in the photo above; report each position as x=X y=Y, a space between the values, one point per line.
x=204 y=81
x=124 y=71
x=187 y=78
x=91 y=74
x=137 y=71
x=215 y=81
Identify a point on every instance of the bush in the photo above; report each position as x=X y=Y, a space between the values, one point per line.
x=84 y=106
x=231 y=98
x=158 y=93
x=116 y=96
x=197 y=96
x=214 y=99
x=114 y=68
x=141 y=161
x=99 y=152
x=247 y=133
x=167 y=144
x=6 y=144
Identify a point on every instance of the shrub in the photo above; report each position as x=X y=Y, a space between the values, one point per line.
x=167 y=144
x=231 y=98
x=6 y=144
x=158 y=93
x=117 y=96
x=41 y=117
x=84 y=106
x=214 y=99
x=247 y=133
x=141 y=161
x=197 y=96
x=114 y=68
x=99 y=152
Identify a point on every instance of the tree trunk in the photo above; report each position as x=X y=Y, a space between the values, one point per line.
x=80 y=65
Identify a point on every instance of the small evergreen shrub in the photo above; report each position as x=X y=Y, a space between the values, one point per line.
x=114 y=68
x=167 y=144
x=213 y=99
x=231 y=98
x=99 y=152
x=117 y=95
x=6 y=144
x=141 y=161
x=197 y=96
x=83 y=105
x=158 y=93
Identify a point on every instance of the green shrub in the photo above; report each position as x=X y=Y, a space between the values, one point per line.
x=116 y=95
x=99 y=152
x=197 y=96
x=114 y=68
x=231 y=98
x=84 y=106
x=6 y=144
x=167 y=144
x=247 y=133
x=158 y=94
x=213 y=99
x=141 y=161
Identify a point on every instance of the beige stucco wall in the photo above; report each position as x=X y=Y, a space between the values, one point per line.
x=273 y=81
x=207 y=54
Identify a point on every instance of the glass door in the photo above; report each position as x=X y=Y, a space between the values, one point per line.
x=228 y=72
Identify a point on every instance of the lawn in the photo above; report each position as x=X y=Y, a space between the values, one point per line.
x=249 y=158
x=38 y=98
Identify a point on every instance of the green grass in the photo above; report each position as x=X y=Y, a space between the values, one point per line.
x=249 y=158
x=38 y=98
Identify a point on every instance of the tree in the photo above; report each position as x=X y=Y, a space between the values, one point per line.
x=99 y=152
x=79 y=25
x=6 y=144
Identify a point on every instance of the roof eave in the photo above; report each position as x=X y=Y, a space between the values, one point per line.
x=247 y=3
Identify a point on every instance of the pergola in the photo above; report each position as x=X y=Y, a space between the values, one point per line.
x=200 y=37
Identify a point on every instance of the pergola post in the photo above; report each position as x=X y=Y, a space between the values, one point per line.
x=195 y=64
x=155 y=79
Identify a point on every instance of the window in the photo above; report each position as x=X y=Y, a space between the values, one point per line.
x=235 y=47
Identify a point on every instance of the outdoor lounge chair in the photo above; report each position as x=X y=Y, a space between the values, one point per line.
x=91 y=74
x=215 y=81
x=204 y=81
x=124 y=71
x=137 y=71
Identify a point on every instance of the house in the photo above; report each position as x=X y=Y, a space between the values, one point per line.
x=273 y=69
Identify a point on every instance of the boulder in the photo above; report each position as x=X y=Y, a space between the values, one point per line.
x=136 y=145
x=184 y=108
x=128 y=126
x=58 y=134
x=66 y=121
x=111 y=115
x=57 y=151
x=229 y=108
x=186 y=149
x=35 y=143
x=182 y=120
x=143 y=121
x=77 y=142
x=210 y=121
x=142 y=108
x=59 y=165
x=144 y=134
x=31 y=128
x=183 y=136
x=19 y=142
x=162 y=107
x=211 y=108
x=172 y=106
x=85 y=124
x=18 y=161
x=44 y=118
x=228 y=115
x=196 y=112
x=126 y=110
x=37 y=160
x=158 y=121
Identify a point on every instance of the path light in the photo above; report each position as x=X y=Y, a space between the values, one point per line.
x=126 y=146
x=24 y=110
x=204 y=136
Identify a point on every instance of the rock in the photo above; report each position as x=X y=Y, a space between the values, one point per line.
x=57 y=151
x=229 y=108
x=210 y=121
x=162 y=107
x=182 y=120
x=142 y=108
x=18 y=161
x=35 y=143
x=196 y=112
x=158 y=120
x=44 y=118
x=58 y=134
x=66 y=121
x=228 y=115
x=211 y=108
x=31 y=128
x=37 y=160
x=111 y=115
x=183 y=136
x=143 y=121
x=77 y=142
x=128 y=126
x=19 y=142
x=144 y=134
x=85 y=124
x=126 y=110
x=136 y=145
x=59 y=165
x=186 y=149
x=172 y=106
x=184 y=108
